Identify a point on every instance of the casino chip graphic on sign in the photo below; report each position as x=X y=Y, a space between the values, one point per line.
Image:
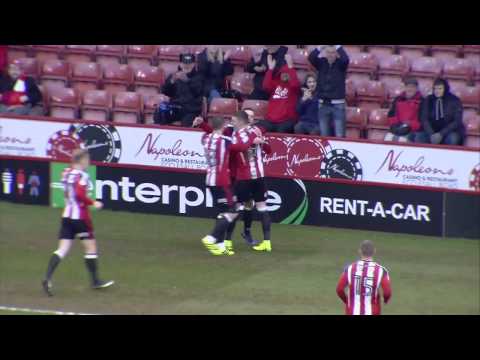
x=102 y=141
x=341 y=164
x=475 y=178
x=305 y=155
x=61 y=145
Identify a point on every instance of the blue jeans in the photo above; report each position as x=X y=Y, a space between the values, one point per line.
x=307 y=128
x=327 y=113
x=214 y=93
x=453 y=138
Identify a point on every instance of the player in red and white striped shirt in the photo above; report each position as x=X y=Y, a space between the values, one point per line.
x=365 y=280
x=76 y=221
x=218 y=149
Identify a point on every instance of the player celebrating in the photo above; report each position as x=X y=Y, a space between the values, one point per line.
x=364 y=279
x=217 y=153
x=76 y=221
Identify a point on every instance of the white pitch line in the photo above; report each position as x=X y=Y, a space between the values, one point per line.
x=50 y=312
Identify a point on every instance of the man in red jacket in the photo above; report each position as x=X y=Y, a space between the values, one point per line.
x=404 y=115
x=283 y=89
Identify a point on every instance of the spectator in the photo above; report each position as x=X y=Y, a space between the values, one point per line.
x=441 y=115
x=332 y=72
x=185 y=89
x=258 y=65
x=3 y=58
x=215 y=66
x=18 y=93
x=283 y=89
x=404 y=115
x=307 y=109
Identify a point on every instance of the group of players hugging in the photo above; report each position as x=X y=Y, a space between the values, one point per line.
x=236 y=179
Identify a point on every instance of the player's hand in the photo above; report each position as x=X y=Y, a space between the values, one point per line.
x=258 y=140
x=197 y=121
x=271 y=62
x=289 y=60
x=98 y=205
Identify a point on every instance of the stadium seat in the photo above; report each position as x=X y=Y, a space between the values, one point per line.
x=351 y=49
x=18 y=51
x=141 y=54
x=171 y=52
x=445 y=52
x=79 y=53
x=64 y=103
x=351 y=94
x=476 y=71
x=469 y=95
x=169 y=67
x=148 y=79
x=117 y=77
x=363 y=63
x=356 y=116
x=472 y=52
x=48 y=52
x=259 y=107
x=222 y=106
x=353 y=133
x=426 y=67
x=29 y=66
x=381 y=51
x=242 y=82
x=393 y=65
x=472 y=123
x=150 y=103
x=127 y=107
x=107 y=54
x=96 y=105
x=412 y=52
x=425 y=85
x=300 y=59
x=370 y=91
x=458 y=69
x=240 y=55
x=393 y=87
x=85 y=76
x=376 y=134
x=377 y=126
x=55 y=72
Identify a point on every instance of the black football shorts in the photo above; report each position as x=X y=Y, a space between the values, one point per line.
x=254 y=189
x=71 y=228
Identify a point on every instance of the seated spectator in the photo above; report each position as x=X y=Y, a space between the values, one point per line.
x=404 y=115
x=283 y=89
x=258 y=65
x=441 y=115
x=307 y=109
x=331 y=75
x=3 y=58
x=215 y=66
x=185 y=89
x=18 y=93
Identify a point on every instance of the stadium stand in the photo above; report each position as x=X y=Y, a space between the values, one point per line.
x=127 y=107
x=85 y=76
x=96 y=105
x=64 y=103
x=222 y=107
x=259 y=107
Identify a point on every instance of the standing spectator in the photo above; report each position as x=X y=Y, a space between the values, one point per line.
x=307 y=109
x=185 y=89
x=404 y=115
x=18 y=93
x=441 y=115
x=214 y=64
x=283 y=88
x=258 y=65
x=332 y=72
x=3 y=58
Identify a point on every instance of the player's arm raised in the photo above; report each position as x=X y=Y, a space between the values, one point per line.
x=202 y=124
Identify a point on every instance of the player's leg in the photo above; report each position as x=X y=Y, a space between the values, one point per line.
x=260 y=197
x=66 y=237
x=247 y=215
x=89 y=243
x=243 y=191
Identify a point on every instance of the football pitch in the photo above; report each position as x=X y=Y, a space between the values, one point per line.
x=160 y=267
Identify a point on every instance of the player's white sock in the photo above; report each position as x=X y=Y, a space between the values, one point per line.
x=209 y=239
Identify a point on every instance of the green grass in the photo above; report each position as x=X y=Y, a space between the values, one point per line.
x=160 y=267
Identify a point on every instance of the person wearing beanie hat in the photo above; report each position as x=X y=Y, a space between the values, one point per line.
x=185 y=89
x=441 y=115
x=404 y=114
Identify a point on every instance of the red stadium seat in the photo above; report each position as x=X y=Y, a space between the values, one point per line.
x=351 y=93
x=356 y=117
x=127 y=107
x=29 y=66
x=396 y=65
x=117 y=77
x=79 y=53
x=381 y=50
x=393 y=87
x=458 y=69
x=445 y=52
x=426 y=67
x=107 y=54
x=18 y=51
x=240 y=55
x=148 y=79
x=472 y=123
x=363 y=63
x=425 y=85
x=48 y=52
x=141 y=54
x=351 y=49
x=55 y=72
x=370 y=91
x=259 y=107
x=376 y=134
x=469 y=95
x=96 y=105
x=85 y=76
x=171 y=52
x=300 y=58
x=169 y=68
x=377 y=126
x=222 y=106
x=412 y=52
x=353 y=133
x=242 y=82
x=150 y=103
x=64 y=103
